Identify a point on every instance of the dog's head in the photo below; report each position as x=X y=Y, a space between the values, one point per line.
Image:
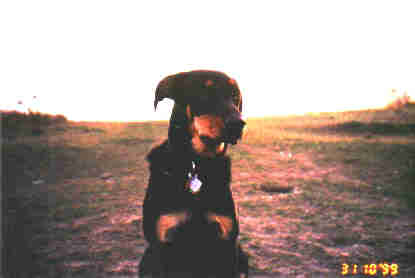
x=206 y=113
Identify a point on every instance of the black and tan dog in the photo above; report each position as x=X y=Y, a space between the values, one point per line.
x=189 y=217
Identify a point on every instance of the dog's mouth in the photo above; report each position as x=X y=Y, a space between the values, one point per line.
x=211 y=136
x=211 y=142
x=212 y=146
x=218 y=145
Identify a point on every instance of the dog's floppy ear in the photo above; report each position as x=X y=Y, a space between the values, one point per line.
x=164 y=90
x=173 y=87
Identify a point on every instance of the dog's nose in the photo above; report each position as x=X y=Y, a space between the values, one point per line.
x=233 y=130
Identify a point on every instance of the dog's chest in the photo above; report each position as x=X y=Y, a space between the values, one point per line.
x=196 y=193
x=198 y=181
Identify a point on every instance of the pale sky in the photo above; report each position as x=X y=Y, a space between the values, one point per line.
x=102 y=60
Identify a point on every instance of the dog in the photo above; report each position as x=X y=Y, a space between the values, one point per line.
x=189 y=216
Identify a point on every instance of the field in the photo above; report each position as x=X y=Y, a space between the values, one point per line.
x=314 y=192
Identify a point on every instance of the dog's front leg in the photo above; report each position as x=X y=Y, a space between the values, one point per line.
x=167 y=224
x=227 y=224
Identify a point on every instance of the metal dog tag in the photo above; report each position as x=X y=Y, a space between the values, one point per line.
x=195 y=184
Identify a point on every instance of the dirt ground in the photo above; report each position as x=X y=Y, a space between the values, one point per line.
x=80 y=215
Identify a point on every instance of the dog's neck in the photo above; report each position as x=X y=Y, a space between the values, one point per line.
x=180 y=167
x=186 y=153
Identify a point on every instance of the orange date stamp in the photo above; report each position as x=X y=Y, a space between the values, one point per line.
x=381 y=269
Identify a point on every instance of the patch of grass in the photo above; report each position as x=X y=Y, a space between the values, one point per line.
x=374 y=128
x=331 y=196
x=87 y=129
x=276 y=188
x=263 y=206
x=237 y=153
x=11 y=119
x=343 y=238
x=130 y=141
x=148 y=130
x=17 y=124
x=244 y=238
x=66 y=213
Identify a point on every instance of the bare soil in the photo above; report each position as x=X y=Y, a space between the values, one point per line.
x=72 y=201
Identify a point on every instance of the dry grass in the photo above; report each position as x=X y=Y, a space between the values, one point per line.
x=314 y=192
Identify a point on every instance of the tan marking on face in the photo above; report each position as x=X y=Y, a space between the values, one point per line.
x=225 y=223
x=167 y=222
x=206 y=125
x=188 y=112
x=208 y=83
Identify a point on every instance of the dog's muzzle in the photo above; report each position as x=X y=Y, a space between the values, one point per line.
x=233 y=131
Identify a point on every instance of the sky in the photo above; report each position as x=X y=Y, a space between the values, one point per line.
x=102 y=60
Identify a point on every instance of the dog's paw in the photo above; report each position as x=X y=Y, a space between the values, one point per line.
x=225 y=224
x=167 y=225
